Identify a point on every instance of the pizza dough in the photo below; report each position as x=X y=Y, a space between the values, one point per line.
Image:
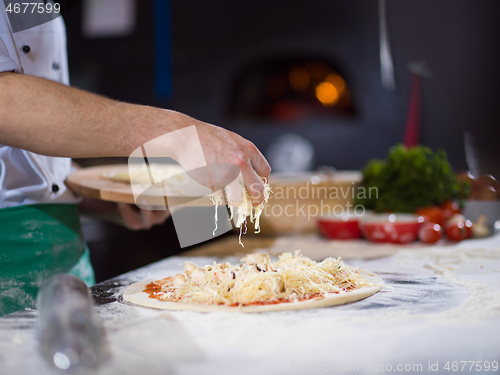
x=293 y=282
x=134 y=294
x=141 y=175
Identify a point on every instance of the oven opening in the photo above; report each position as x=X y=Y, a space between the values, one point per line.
x=289 y=89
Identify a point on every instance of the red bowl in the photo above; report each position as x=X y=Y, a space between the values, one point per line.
x=339 y=227
x=393 y=228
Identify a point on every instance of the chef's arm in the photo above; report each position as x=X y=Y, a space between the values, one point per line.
x=51 y=119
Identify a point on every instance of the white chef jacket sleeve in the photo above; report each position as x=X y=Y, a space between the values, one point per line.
x=7 y=64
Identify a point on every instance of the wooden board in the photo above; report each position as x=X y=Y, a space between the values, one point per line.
x=90 y=182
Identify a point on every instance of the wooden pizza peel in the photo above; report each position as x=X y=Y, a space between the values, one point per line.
x=90 y=182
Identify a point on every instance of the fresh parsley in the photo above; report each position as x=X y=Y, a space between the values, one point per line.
x=410 y=178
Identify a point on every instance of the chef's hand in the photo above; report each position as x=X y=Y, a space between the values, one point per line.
x=135 y=218
x=123 y=214
x=222 y=146
x=219 y=147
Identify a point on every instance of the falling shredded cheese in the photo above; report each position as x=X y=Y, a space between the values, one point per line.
x=244 y=210
x=217 y=201
x=259 y=281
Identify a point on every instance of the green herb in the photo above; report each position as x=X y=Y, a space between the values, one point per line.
x=408 y=179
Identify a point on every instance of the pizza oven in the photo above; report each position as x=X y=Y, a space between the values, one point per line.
x=290 y=89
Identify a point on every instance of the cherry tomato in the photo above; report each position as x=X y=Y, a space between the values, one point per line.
x=433 y=214
x=449 y=209
x=458 y=230
x=430 y=233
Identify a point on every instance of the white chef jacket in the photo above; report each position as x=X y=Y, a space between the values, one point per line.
x=26 y=177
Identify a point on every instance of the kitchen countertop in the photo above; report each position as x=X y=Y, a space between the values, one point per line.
x=442 y=305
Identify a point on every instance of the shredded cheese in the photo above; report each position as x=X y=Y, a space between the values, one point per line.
x=244 y=210
x=142 y=174
x=217 y=201
x=259 y=281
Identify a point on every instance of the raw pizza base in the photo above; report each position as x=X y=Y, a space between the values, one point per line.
x=134 y=294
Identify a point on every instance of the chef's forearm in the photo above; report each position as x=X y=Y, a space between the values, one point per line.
x=52 y=119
